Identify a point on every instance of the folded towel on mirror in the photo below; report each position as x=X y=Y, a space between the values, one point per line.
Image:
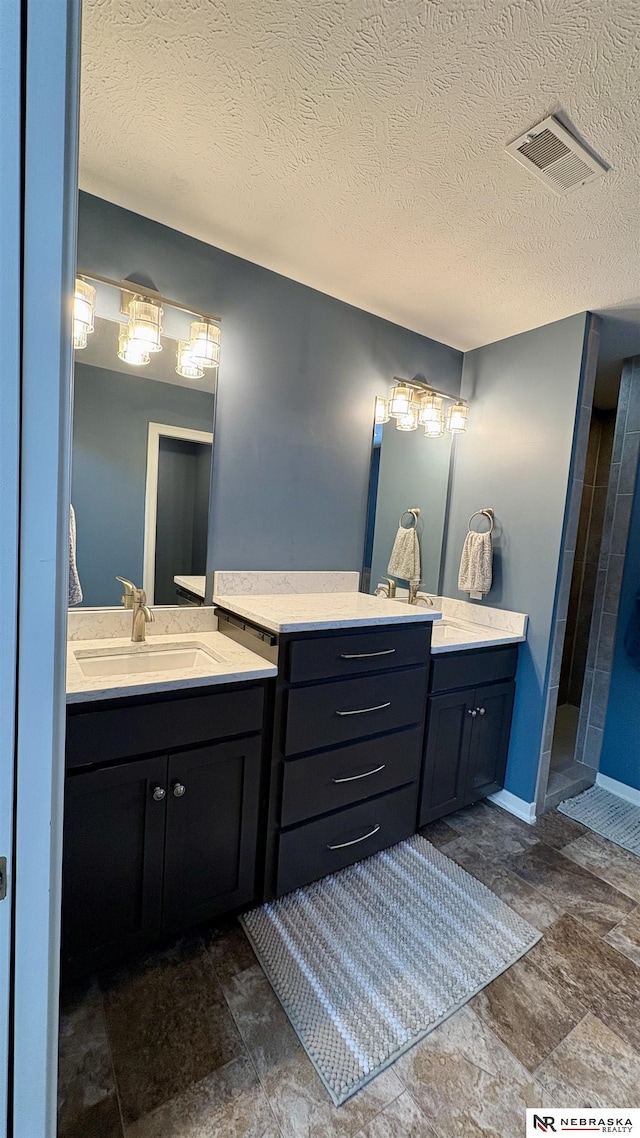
x=405 y=555
x=476 y=565
x=75 y=589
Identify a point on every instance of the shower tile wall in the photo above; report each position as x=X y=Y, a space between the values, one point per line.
x=585 y=567
x=624 y=465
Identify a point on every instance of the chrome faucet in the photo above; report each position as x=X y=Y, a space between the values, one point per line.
x=413 y=593
x=136 y=599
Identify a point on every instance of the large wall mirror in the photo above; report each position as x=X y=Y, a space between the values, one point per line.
x=143 y=416
x=409 y=480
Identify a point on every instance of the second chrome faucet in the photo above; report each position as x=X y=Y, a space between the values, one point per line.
x=136 y=600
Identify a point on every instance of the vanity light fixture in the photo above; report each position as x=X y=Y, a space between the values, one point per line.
x=84 y=304
x=129 y=351
x=401 y=397
x=457 y=418
x=142 y=309
x=205 y=343
x=414 y=403
x=382 y=410
x=145 y=324
x=185 y=364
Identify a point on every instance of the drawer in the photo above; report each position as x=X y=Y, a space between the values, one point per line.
x=322 y=847
x=354 y=653
x=326 y=714
x=338 y=778
x=470 y=668
x=148 y=728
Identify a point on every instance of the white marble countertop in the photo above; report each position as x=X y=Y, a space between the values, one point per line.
x=229 y=663
x=196 y=585
x=462 y=636
x=306 y=612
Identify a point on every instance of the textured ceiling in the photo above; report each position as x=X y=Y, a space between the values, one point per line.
x=357 y=146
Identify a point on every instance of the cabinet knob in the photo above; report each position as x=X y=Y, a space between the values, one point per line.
x=472 y=712
x=158 y=793
x=480 y=710
x=179 y=790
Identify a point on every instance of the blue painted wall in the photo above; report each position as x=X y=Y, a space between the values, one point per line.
x=516 y=458
x=111 y=414
x=298 y=376
x=620 y=757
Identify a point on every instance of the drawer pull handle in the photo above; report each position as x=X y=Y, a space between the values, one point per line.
x=355 y=777
x=343 y=845
x=364 y=710
x=365 y=655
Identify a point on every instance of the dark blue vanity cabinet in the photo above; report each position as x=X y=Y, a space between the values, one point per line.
x=347 y=744
x=161 y=817
x=469 y=712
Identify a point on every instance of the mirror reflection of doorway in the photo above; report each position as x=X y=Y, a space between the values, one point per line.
x=177 y=508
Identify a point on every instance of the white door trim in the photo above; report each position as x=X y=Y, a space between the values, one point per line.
x=49 y=196
x=156 y=432
x=10 y=290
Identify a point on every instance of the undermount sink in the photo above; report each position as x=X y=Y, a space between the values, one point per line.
x=156 y=658
x=449 y=631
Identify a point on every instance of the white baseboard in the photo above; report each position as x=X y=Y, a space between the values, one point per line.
x=514 y=805
x=629 y=793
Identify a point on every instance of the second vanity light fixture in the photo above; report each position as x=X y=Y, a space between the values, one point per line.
x=413 y=404
x=140 y=335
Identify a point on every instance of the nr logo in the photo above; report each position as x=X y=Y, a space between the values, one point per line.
x=545 y=1123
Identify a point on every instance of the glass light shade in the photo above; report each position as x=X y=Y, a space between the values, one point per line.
x=408 y=422
x=434 y=428
x=185 y=365
x=430 y=408
x=205 y=343
x=129 y=351
x=457 y=418
x=382 y=410
x=145 y=324
x=400 y=400
x=84 y=301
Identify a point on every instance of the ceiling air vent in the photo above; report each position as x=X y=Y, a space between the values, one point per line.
x=550 y=152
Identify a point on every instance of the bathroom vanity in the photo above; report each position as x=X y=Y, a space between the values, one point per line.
x=162 y=800
x=348 y=725
x=305 y=732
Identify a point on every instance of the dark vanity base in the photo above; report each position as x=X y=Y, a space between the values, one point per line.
x=469 y=714
x=347 y=745
x=161 y=817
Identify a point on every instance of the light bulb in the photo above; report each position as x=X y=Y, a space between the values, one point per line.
x=84 y=301
x=408 y=422
x=434 y=428
x=205 y=343
x=457 y=418
x=145 y=324
x=382 y=410
x=129 y=351
x=430 y=408
x=185 y=365
x=400 y=399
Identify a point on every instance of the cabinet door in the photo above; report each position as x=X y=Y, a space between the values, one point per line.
x=212 y=821
x=449 y=724
x=489 y=740
x=112 y=869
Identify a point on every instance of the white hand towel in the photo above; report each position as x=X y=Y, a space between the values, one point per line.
x=476 y=565
x=405 y=555
x=75 y=589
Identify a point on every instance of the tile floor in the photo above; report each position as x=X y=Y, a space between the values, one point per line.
x=192 y=1043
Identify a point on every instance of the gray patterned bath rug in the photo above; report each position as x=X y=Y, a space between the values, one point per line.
x=368 y=961
x=606 y=814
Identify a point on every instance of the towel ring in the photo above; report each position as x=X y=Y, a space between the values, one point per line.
x=486 y=513
x=414 y=511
